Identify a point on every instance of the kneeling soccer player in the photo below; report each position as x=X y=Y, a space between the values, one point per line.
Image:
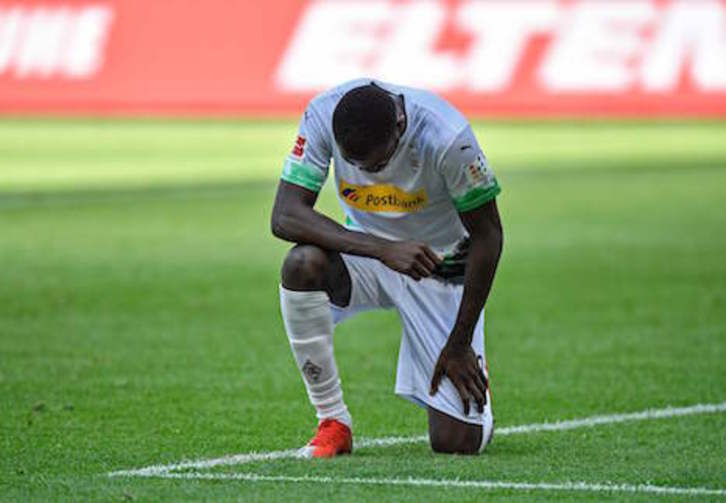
x=422 y=234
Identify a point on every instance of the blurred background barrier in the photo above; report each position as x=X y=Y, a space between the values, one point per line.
x=491 y=58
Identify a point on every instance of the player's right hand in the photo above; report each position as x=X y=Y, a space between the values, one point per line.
x=411 y=258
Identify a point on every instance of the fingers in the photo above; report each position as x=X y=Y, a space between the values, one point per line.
x=418 y=271
x=436 y=379
x=421 y=270
x=469 y=389
x=425 y=261
x=467 y=377
x=427 y=258
x=479 y=381
x=464 y=394
x=484 y=382
x=481 y=388
x=479 y=395
x=432 y=256
x=419 y=261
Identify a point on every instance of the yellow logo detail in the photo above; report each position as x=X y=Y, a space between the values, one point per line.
x=382 y=198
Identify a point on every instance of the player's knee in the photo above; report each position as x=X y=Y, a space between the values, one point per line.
x=304 y=268
x=449 y=435
x=452 y=442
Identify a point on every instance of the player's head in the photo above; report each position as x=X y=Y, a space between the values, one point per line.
x=366 y=127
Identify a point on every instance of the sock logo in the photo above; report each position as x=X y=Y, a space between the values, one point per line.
x=311 y=371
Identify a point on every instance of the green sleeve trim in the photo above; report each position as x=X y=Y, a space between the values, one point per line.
x=476 y=197
x=304 y=175
x=350 y=223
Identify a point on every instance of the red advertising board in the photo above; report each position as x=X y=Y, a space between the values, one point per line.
x=489 y=57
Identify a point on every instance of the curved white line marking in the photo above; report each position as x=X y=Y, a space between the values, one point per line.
x=364 y=443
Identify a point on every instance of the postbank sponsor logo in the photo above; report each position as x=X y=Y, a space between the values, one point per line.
x=382 y=198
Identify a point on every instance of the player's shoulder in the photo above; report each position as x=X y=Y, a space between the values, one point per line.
x=437 y=111
x=436 y=122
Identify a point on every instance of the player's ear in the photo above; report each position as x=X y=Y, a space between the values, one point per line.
x=401 y=123
x=400 y=115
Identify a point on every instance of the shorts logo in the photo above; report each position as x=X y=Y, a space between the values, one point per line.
x=382 y=198
x=299 y=149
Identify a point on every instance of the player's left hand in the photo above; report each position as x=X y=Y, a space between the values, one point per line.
x=459 y=363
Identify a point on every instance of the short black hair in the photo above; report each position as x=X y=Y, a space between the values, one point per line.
x=365 y=118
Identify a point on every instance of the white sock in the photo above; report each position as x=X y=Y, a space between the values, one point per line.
x=309 y=326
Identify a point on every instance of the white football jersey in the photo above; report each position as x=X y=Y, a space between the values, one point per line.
x=437 y=171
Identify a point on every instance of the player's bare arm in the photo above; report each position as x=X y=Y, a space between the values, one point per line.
x=457 y=360
x=294 y=219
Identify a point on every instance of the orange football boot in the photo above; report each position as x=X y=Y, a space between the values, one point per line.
x=332 y=439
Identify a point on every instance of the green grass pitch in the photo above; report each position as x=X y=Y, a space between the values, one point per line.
x=139 y=320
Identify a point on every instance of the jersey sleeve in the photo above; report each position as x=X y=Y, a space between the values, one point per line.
x=468 y=177
x=307 y=163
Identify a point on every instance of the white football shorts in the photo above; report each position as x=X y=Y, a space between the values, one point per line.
x=428 y=310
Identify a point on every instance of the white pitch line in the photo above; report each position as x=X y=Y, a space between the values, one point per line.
x=570 y=424
x=707 y=408
x=235 y=459
x=471 y=484
x=363 y=443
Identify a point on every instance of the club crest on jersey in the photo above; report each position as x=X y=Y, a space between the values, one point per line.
x=382 y=198
x=299 y=148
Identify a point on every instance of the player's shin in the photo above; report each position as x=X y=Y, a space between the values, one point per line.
x=309 y=325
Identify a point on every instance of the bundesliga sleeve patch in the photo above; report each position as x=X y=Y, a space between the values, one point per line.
x=301 y=171
x=298 y=150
